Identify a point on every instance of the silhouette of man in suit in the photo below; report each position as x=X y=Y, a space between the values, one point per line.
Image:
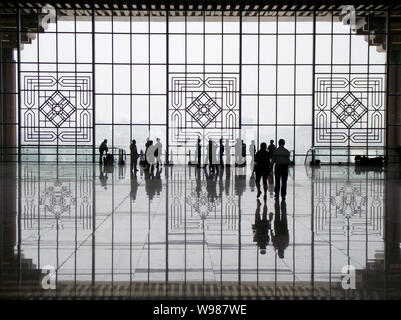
x=281 y=159
x=262 y=168
x=134 y=155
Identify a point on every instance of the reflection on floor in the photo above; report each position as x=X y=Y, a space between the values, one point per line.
x=185 y=232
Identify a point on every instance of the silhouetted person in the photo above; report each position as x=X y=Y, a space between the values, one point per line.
x=252 y=152
x=244 y=151
x=238 y=153
x=199 y=152
x=148 y=144
x=227 y=149
x=102 y=149
x=262 y=168
x=221 y=152
x=142 y=160
x=271 y=148
x=281 y=159
x=211 y=156
x=134 y=155
x=280 y=238
x=158 y=152
x=261 y=228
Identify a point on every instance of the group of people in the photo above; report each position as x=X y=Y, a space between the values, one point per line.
x=152 y=155
x=264 y=160
x=215 y=159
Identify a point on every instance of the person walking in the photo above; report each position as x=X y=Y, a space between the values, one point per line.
x=281 y=160
x=262 y=168
x=134 y=155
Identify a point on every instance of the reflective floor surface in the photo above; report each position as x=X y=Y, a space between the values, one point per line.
x=183 y=232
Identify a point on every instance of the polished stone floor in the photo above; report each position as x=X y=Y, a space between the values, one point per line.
x=185 y=232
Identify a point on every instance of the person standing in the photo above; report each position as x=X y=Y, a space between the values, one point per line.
x=199 y=152
x=221 y=151
x=262 y=168
x=271 y=148
x=102 y=149
x=148 y=144
x=252 y=152
x=158 y=152
x=281 y=160
x=134 y=155
x=227 y=149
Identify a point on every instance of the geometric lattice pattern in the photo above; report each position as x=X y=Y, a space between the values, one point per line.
x=341 y=207
x=204 y=109
x=50 y=203
x=57 y=109
x=349 y=110
x=204 y=106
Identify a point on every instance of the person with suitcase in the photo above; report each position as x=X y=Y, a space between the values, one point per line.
x=102 y=149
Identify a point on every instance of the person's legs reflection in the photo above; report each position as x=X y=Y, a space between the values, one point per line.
x=277 y=181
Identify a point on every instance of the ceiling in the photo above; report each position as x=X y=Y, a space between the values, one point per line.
x=238 y=5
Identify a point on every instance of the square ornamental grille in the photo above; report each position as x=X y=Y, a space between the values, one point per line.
x=349 y=110
x=204 y=109
x=204 y=106
x=57 y=109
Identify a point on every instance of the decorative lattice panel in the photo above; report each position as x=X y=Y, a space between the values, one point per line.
x=56 y=109
x=204 y=106
x=349 y=110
